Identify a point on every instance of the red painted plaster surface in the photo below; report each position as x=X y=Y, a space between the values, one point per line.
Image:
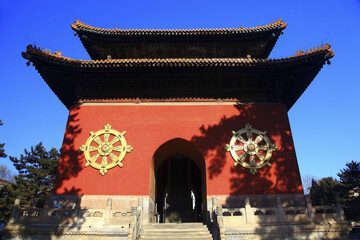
x=149 y=126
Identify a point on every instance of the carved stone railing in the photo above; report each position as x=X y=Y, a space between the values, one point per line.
x=70 y=217
x=326 y=213
x=296 y=214
x=135 y=224
x=280 y=214
x=135 y=227
x=237 y=215
x=218 y=222
x=264 y=215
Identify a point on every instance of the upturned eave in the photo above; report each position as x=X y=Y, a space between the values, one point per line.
x=241 y=79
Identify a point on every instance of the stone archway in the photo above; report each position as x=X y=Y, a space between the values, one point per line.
x=178 y=183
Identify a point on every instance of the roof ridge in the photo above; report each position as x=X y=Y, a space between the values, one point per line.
x=276 y=24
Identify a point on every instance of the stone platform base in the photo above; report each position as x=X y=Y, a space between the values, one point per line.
x=336 y=231
x=280 y=217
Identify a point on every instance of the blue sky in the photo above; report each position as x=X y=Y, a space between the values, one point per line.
x=324 y=121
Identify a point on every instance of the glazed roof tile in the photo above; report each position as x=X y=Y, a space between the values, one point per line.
x=34 y=53
x=80 y=26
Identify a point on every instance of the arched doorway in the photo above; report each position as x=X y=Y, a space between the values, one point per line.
x=178 y=182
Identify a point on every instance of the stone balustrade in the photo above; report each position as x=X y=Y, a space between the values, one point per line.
x=279 y=214
x=69 y=216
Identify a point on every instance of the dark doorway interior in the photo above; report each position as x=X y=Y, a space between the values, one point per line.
x=179 y=190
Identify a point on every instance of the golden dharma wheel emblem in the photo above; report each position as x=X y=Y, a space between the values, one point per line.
x=105 y=149
x=250 y=148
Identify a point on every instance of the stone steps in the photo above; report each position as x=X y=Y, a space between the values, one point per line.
x=175 y=231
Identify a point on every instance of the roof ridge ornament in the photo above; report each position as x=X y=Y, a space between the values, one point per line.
x=316 y=49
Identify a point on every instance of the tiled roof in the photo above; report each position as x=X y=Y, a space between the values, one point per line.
x=239 y=42
x=80 y=26
x=174 y=64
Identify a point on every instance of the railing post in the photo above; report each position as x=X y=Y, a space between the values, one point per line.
x=339 y=208
x=280 y=209
x=77 y=211
x=134 y=216
x=45 y=211
x=219 y=215
x=108 y=211
x=144 y=207
x=213 y=207
x=309 y=209
x=249 y=214
x=15 y=211
x=214 y=203
x=220 y=222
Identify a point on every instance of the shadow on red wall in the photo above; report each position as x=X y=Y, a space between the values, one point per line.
x=282 y=177
x=70 y=158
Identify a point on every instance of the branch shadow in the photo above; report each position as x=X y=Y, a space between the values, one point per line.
x=70 y=157
x=281 y=177
x=62 y=212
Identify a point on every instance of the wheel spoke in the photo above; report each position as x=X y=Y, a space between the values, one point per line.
x=242 y=157
x=258 y=139
x=104 y=160
x=240 y=139
x=252 y=161
x=114 y=140
x=97 y=140
x=118 y=148
x=263 y=147
x=249 y=136
x=106 y=137
x=260 y=156
x=95 y=157
x=113 y=157
x=93 y=148
x=238 y=148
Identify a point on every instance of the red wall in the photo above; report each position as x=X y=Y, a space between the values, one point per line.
x=149 y=126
